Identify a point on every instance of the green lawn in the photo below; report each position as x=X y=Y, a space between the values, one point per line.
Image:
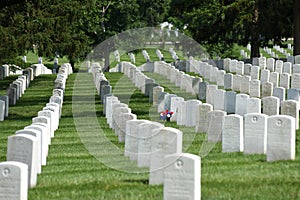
x=74 y=170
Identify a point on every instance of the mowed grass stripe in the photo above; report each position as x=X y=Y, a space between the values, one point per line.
x=27 y=107
x=239 y=176
x=73 y=173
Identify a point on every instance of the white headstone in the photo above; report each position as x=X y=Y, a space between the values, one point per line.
x=254 y=73
x=236 y=86
x=219 y=99
x=201 y=126
x=50 y=116
x=38 y=135
x=240 y=68
x=145 y=132
x=232 y=135
x=274 y=78
x=210 y=90
x=281 y=138
x=253 y=105
x=110 y=100
x=131 y=138
x=245 y=84
x=122 y=119
x=271 y=105
x=295 y=84
x=291 y=108
x=43 y=121
x=182 y=177
x=265 y=76
x=287 y=67
x=296 y=68
x=45 y=139
x=181 y=115
x=166 y=142
x=241 y=104
x=114 y=108
x=297 y=59
x=13 y=180
x=192 y=107
x=270 y=64
x=262 y=62
x=278 y=66
x=285 y=80
x=175 y=102
x=226 y=64
x=220 y=77
x=279 y=92
x=267 y=89
x=24 y=149
x=254 y=88
x=117 y=112
x=2 y=110
x=255 y=133
x=215 y=121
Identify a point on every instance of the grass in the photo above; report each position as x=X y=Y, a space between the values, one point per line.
x=72 y=172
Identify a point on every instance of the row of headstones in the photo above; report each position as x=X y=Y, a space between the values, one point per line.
x=118 y=58
x=149 y=144
x=18 y=87
x=270 y=83
x=63 y=72
x=40 y=69
x=15 y=90
x=27 y=150
x=230 y=101
x=187 y=112
x=225 y=100
x=179 y=78
x=139 y=79
x=239 y=67
x=229 y=129
x=101 y=83
x=234 y=66
x=158 y=148
x=4 y=71
x=254 y=133
x=244 y=54
x=277 y=48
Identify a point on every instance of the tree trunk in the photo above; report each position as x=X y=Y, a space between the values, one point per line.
x=296 y=27
x=72 y=62
x=255 y=43
x=255 y=49
x=106 y=61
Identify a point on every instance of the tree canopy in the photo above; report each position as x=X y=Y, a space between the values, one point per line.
x=73 y=27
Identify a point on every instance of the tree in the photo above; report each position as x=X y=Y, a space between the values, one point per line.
x=53 y=27
x=222 y=23
x=11 y=31
x=296 y=27
x=106 y=19
x=154 y=12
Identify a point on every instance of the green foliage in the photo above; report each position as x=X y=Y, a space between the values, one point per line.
x=154 y=12
x=219 y=24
